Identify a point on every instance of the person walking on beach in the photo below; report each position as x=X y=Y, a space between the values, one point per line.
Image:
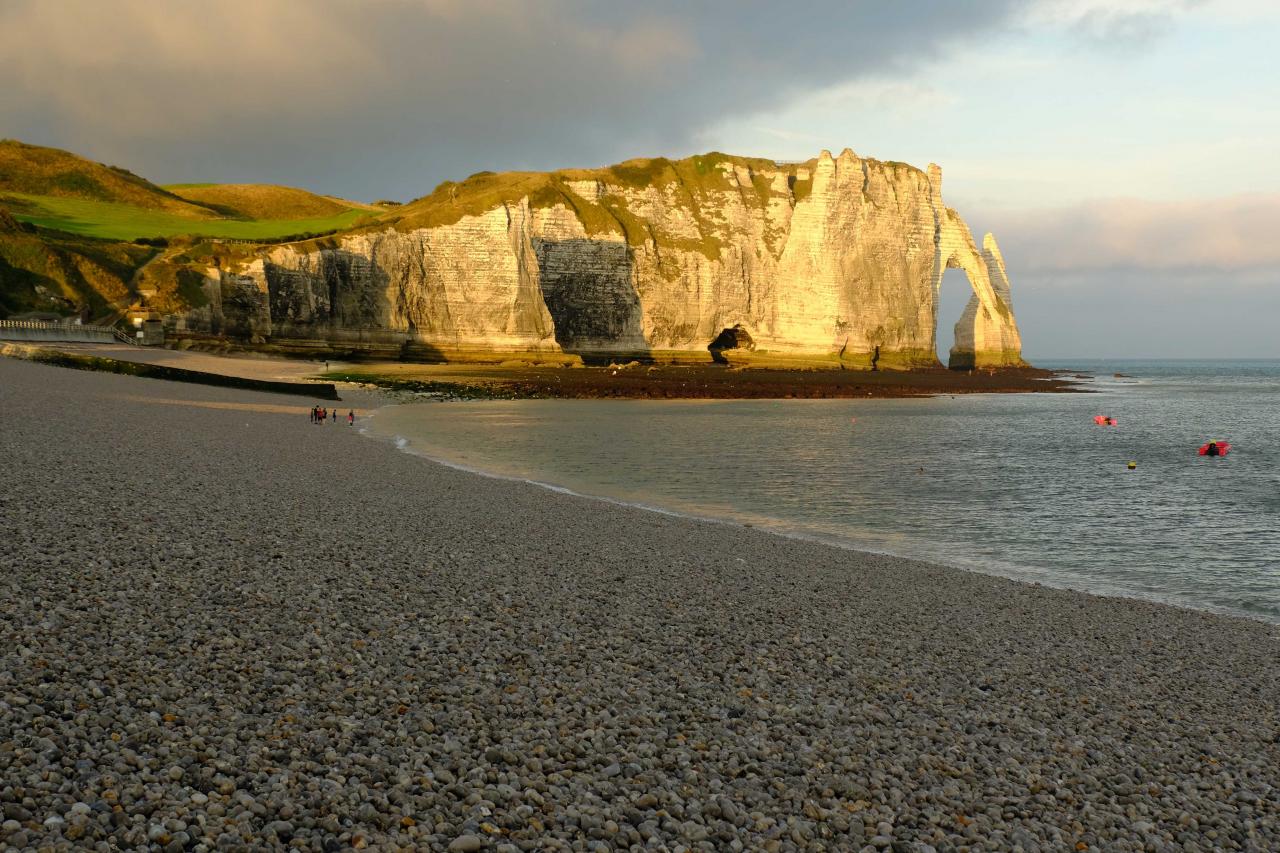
x=335 y=416
x=351 y=417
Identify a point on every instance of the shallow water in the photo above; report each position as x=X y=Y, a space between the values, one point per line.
x=1024 y=486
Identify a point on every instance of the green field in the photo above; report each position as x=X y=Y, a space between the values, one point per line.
x=114 y=221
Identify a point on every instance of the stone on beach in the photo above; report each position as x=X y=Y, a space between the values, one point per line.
x=224 y=629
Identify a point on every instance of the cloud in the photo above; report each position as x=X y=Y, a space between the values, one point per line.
x=1145 y=279
x=886 y=96
x=1235 y=233
x=126 y=70
x=1173 y=313
x=1111 y=24
x=388 y=97
x=1117 y=30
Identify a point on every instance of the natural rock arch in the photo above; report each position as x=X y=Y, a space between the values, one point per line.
x=986 y=334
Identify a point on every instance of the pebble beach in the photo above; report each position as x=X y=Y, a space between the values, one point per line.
x=225 y=628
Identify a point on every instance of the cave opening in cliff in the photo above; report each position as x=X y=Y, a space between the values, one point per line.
x=733 y=337
x=953 y=296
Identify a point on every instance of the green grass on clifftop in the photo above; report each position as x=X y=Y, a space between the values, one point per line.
x=35 y=170
x=116 y=221
x=265 y=201
x=695 y=183
x=59 y=190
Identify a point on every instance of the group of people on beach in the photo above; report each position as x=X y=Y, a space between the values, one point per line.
x=319 y=415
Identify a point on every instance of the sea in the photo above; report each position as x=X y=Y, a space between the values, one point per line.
x=1025 y=486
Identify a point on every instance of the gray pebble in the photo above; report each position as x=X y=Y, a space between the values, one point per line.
x=222 y=637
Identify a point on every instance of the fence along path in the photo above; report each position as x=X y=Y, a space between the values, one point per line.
x=41 y=330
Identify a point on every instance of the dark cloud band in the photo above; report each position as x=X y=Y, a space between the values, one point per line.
x=385 y=99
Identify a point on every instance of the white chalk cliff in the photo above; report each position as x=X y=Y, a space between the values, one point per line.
x=838 y=257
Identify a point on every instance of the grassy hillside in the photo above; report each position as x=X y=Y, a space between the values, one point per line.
x=40 y=271
x=114 y=221
x=58 y=190
x=32 y=170
x=66 y=226
x=265 y=201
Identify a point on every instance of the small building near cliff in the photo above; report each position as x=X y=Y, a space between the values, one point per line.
x=145 y=326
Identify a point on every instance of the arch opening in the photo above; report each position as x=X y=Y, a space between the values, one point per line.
x=954 y=295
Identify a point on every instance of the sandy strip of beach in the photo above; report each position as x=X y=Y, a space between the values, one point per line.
x=244 y=365
x=223 y=627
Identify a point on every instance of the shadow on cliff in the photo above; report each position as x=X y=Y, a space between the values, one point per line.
x=340 y=304
x=589 y=291
x=343 y=291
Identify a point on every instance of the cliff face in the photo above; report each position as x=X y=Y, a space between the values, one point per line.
x=840 y=256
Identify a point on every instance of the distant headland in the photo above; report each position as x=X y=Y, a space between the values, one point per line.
x=835 y=261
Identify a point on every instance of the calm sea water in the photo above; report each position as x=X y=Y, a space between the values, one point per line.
x=1024 y=486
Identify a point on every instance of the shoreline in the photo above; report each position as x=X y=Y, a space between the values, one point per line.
x=260 y=605
x=794 y=530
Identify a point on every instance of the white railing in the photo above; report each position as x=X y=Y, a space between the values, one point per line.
x=47 y=330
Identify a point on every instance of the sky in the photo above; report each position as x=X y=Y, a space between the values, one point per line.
x=1123 y=152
